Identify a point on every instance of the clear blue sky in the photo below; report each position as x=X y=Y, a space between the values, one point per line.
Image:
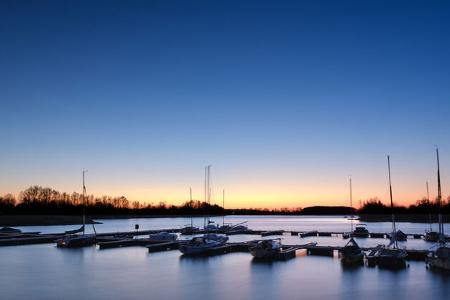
x=285 y=99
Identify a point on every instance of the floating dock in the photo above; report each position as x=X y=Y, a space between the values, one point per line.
x=273 y=232
x=111 y=240
x=376 y=235
x=37 y=239
x=120 y=243
x=164 y=246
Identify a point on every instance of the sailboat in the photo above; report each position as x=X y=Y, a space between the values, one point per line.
x=430 y=235
x=189 y=229
x=208 y=241
x=391 y=256
x=227 y=227
x=74 y=240
x=440 y=259
x=351 y=253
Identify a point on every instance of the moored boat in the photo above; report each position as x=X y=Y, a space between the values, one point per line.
x=390 y=256
x=227 y=227
x=76 y=240
x=266 y=249
x=208 y=241
x=399 y=236
x=351 y=253
x=212 y=227
x=189 y=230
x=360 y=231
x=203 y=244
x=431 y=236
x=440 y=259
x=73 y=240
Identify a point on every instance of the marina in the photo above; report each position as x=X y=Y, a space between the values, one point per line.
x=110 y=240
x=161 y=264
x=38 y=238
x=236 y=150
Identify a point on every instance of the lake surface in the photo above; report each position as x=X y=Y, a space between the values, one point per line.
x=47 y=272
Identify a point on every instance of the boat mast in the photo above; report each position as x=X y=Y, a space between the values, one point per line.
x=205 y=199
x=190 y=198
x=439 y=200
x=223 y=206
x=429 y=212
x=84 y=202
x=394 y=230
x=351 y=206
x=209 y=191
x=207 y=194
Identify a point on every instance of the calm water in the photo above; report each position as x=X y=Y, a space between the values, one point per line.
x=46 y=272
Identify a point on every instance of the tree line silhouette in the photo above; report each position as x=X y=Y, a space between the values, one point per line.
x=44 y=200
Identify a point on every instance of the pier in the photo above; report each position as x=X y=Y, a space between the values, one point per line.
x=111 y=240
x=16 y=238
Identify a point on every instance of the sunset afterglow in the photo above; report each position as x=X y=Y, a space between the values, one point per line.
x=284 y=103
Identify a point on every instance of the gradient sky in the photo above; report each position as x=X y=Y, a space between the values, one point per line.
x=284 y=99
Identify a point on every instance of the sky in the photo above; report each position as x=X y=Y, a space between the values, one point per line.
x=285 y=99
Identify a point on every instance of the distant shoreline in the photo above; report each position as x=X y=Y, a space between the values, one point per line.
x=50 y=220
x=412 y=218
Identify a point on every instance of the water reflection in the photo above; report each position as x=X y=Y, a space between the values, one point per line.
x=47 y=272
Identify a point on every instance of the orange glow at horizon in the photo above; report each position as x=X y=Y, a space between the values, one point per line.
x=273 y=198
x=257 y=192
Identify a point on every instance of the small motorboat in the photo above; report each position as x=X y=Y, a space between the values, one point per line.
x=211 y=227
x=266 y=249
x=163 y=236
x=431 y=236
x=76 y=241
x=361 y=231
x=439 y=259
x=351 y=253
x=203 y=244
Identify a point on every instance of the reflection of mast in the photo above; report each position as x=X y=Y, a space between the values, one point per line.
x=394 y=231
